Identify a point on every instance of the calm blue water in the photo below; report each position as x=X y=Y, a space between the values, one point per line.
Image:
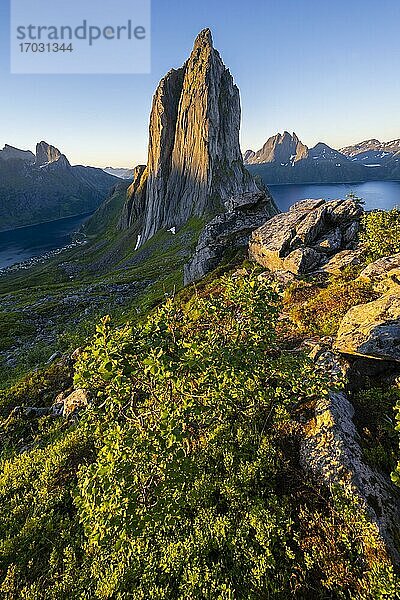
x=25 y=243
x=28 y=242
x=376 y=194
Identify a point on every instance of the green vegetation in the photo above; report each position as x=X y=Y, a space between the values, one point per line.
x=182 y=480
x=396 y=473
x=381 y=233
x=11 y=325
x=41 y=546
x=374 y=418
x=319 y=308
x=52 y=307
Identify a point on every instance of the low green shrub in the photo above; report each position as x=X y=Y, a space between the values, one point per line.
x=183 y=479
x=381 y=233
x=318 y=310
x=396 y=472
x=193 y=493
x=374 y=418
x=41 y=540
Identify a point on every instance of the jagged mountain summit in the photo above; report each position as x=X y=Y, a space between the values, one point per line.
x=194 y=160
x=377 y=156
x=286 y=150
x=369 y=146
x=285 y=159
x=46 y=154
x=44 y=186
x=282 y=148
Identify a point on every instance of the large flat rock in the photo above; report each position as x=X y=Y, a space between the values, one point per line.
x=372 y=329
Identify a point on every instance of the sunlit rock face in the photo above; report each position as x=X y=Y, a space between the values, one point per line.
x=194 y=161
x=46 y=154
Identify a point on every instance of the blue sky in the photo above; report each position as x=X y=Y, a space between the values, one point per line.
x=328 y=70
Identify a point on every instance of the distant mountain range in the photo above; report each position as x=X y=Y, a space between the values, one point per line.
x=285 y=159
x=121 y=173
x=40 y=187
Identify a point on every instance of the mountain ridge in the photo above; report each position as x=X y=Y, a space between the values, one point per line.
x=44 y=186
x=285 y=159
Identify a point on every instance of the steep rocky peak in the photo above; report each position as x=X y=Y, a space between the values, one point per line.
x=204 y=39
x=282 y=148
x=194 y=160
x=45 y=153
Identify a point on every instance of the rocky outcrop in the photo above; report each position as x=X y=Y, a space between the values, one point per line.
x=75 y=402
x=372 y=329
x=194 y=161
x=135 y=198
x=45 y=154
x=345 y=259
x=228 y=231
x=331 y=452
x=330 y=448
x=67 y=405
x=383 y=274
x=302 y=239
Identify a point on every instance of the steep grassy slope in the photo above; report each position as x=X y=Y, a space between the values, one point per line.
x=183 y=479
x=53 y=306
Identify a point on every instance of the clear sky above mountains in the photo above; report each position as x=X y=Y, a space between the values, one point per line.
x=327 y=70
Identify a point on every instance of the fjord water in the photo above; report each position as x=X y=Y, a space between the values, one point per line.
x=376 y=194
x=22 y=244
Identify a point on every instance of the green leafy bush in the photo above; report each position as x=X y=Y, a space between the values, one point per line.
x=182 y=479
x=374 y=420
x=381 y=232
x=191 y=495
x=396 y=473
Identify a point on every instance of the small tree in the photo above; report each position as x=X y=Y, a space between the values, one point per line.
x=353 y=196
x=381 y=233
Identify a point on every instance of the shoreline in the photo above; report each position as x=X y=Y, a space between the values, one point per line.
x=40 y=259
x=46 y=222
x=335 y=182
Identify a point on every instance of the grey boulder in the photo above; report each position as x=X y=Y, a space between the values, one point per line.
x=302 y=239
x=372 y=329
